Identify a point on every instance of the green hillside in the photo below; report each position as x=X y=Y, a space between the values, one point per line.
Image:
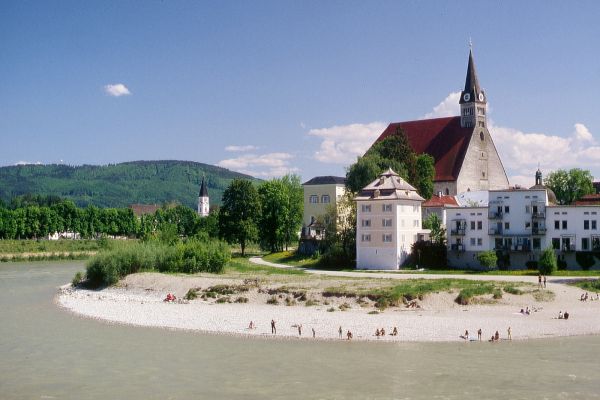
x=118 y=185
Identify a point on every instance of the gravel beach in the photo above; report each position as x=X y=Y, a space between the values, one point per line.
x=138 y=300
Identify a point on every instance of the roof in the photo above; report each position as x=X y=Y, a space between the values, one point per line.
x=203 y=189
x=389 y=186
x=440 y=201
x=589 y=199
x=326 y=180
x=144 y=209
x=442 y=138
x=472 y=84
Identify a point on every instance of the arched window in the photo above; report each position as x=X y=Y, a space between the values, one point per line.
x=447 y=192
x=481 y=135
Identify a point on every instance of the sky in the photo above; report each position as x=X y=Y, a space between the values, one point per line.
x=275 y=87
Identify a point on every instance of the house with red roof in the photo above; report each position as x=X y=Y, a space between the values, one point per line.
x=465 y=155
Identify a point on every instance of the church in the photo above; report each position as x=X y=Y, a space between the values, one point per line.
x=465 y=156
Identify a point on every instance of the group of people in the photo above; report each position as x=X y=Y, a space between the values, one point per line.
x=381 y=332
x=170 y=298
x=495 y=336
x=542 y=281
x=563 y=316
x=584 y=297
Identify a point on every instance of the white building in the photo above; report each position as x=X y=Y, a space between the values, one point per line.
x=518 y=224
x=388 y=222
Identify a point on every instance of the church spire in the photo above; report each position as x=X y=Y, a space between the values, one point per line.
x=203 y=189
x=203 y=200
x=473 y=101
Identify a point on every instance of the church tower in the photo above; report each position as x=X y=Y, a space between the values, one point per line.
x=473 y=101
x=203 y=203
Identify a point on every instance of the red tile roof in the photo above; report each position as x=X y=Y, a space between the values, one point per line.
x=144 y=209
x=440 y=201
x=588 y=200
x=442 y=138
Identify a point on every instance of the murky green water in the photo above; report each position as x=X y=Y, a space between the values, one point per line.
x=47 y=353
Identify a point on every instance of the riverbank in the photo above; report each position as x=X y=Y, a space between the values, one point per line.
x=227 y=304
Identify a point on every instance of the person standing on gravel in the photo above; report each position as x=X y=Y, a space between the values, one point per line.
x=340 y=332
x=273 y=328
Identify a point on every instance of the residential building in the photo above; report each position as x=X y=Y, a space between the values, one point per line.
x=462 y=147
x=437 y=205
x=321 y=195
x=388 y=222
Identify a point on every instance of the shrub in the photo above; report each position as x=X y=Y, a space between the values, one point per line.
x=513 y=290
x=191 y=294
x=273 y=300
x=467 y=294
x=221 y=300
x=585 y=260
x=330 y=309
x=241 y=300
x=77 y=278
x=487 y=259
x=429 y=255
x=311 y=302
x=344 y=307
x=289 y=301
x=547 y=264
x=374 y=312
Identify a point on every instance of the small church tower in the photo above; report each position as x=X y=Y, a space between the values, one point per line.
x=473 y=102
x=203 y=203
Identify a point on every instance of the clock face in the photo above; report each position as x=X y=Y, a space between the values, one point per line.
x=480 y=96
x=467 y=97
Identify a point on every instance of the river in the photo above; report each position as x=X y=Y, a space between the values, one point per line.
x=49 y=353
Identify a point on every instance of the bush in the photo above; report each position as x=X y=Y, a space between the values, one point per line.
x=273 y=300
x=547 y=264
x=193 y=256
x=429 y=255
x=191 y=294
x=487 y=259
x=585 y=260
x=77 y=278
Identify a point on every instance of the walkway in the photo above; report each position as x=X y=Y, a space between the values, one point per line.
x=400 y=275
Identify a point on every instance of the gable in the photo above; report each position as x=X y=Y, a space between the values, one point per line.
x=442 y=138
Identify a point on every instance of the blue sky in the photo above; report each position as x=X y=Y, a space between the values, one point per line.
x=274 y=87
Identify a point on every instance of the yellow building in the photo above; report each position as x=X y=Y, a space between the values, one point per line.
x=321 y=194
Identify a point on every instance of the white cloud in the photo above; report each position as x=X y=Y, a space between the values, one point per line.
x=116 y=90
x=521 y=152
x=241 y=148
x=449 y=107
x=263 y=165
x=342 y=144
x=28 y=163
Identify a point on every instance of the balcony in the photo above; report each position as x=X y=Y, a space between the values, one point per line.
x=538 y=231
x=522 y=248
x=457 y=232
x=495 y=215
x=457 y=247
x=495 y=231
x=568 y=248
x=538 y=215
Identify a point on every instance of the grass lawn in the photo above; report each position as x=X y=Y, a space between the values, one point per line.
x=591 y=285
x=48 y=246
x=241 y=265
x=292 y=259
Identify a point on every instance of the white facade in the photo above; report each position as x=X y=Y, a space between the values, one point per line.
x=388 y=223
x=203 y=206
x=321 y=194
x=468 y=229
x=573 y=228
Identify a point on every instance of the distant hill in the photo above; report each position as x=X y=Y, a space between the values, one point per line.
x=118 y=185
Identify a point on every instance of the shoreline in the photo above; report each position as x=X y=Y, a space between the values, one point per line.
x=439 y=320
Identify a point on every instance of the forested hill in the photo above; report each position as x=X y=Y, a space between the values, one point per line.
x=118 y=185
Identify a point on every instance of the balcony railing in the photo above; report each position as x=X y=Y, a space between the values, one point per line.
x=538 y=231
x=568 y=248
x=538 y=215
x=522 y=247
x=494 y=231
x=457 y=232
x=457 y=247
x=495 y=215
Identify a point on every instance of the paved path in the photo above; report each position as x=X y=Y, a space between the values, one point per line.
x=400 y=275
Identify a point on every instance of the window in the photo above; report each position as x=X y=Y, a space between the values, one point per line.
x=387 y=238
x=527 y=225
x=386 y=207
x=556 y=224
x=527 y=209
x=416 y=223
x=325 y=199
x=506 y=209
x=586 y=224
x=366 y=238
x=366 y=222
x=447 y=191
x=479 y=225
x=479 y=242
x=365 y=208
x=472 y=241
x=537 y=243
x=585 y=243
x=473 y=225
x=564 y=224
x=386 y=222
x=507 y=225
x=481 y=136
x=415 y=209
x=403 y=239
x=402 y=223
x=481 y=124
x=314 y=199
x=556 y=243
x=594 y=224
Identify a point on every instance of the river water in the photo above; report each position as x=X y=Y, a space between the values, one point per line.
x=49 y=353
